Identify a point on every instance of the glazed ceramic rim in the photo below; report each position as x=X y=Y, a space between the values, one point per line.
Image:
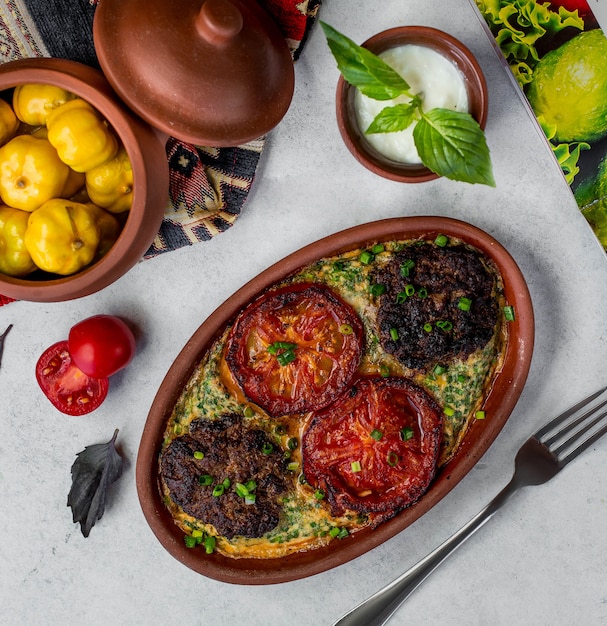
x=500 y=401
x=92 y=86
x=447 y=45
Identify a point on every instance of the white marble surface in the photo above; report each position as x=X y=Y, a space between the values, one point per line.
x=542 y=560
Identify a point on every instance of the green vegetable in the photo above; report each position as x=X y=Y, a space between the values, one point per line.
x=93 y=471
x=450 y=143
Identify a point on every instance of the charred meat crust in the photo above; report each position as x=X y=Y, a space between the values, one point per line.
x=231 y=450
x=444 y=276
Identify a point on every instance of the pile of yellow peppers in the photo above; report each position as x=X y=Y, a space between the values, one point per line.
x=66 y=182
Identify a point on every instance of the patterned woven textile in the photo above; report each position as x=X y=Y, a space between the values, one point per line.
x=208 y=186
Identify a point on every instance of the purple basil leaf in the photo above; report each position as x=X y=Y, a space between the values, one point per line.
x=93 y=471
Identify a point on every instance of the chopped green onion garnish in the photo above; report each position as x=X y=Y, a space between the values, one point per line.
x=226 y=483
x=409 y=290
x=445 y=325
x=441 y=241
x=278 y=346
x=384 y=371
x=346 y=329
x=377 y=289
x=464 y=303
x=366 y=257
x=190 y=542
x=198 y=455
x=286 y=357
x=196 y=533
x=428 y=327
x=218 y=490
x=319 y=494
x=439 y=369
x=462 y=378
x=480 y=415
x=293 y=466
x=241 y=490
x=267 y=448
x=209 y=544
x=292 y=443
x=249 y=498
x=205 y=479
x=449 y=411
x=394 y=334
x=406 y=267
x=377 y=248
x=406 y=433
x=376 y=434
x=422 y=292
x=509 y=313
x=251 y=485
x=334 y=531
x=343 y=533
x=392 y=458
x=280 y=429
x=401 y=296
x=355 y=465
x=248 y=411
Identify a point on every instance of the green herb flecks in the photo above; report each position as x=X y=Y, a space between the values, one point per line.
x=450 y=143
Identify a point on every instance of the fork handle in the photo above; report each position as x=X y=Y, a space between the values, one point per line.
x=378 y=608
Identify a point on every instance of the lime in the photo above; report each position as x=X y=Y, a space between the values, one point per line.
x=569 y=88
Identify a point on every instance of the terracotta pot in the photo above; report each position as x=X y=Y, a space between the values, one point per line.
x=150 y=172
x=441 y=42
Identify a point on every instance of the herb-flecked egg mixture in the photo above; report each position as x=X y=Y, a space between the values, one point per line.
x=331 y=401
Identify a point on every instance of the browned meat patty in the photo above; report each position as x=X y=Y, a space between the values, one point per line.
x=230 y=450
x=431 y=325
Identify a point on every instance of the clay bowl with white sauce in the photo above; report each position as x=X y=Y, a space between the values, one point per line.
x=460 y=66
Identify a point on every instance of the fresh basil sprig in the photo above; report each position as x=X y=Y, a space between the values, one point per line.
x=450 y=143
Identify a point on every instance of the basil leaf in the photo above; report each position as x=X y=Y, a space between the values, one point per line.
x=453 y=145
x=93 y=471
x=395 y=118
x=363 y=69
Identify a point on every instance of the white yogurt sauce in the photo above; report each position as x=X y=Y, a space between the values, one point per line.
x=428 y=73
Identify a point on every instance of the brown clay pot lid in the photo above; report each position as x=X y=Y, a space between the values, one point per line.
x=209 y=72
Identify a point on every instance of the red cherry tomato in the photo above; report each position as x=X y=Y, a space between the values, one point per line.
x=295 y=349
x=375 y=449
x=573 y=5
x=68 y=388
x=101 y=345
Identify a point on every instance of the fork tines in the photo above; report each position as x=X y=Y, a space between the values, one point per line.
x=575 y=429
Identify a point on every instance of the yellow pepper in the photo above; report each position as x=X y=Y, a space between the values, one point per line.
x=8 y=122
x=111 y=184
x=62 y=236
x=109 y=229
x=15 y=260
x=74 y=183
x=31 y=172
x=33 y=103
x=81 y=136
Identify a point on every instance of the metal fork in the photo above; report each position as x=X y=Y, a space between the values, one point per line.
x=540 y=458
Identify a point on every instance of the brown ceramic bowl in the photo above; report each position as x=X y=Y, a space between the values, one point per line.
x=439 y=41
x=500 y=400
x=150 y=171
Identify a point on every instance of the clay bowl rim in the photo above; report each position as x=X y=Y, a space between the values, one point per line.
x=500 y=401
x=451 y=48
x=91 y=85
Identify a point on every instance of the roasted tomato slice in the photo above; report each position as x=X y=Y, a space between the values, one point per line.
x=68 y=388
x=295 y=349
x=375 y=449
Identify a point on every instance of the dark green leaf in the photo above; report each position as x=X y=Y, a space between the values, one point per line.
x=93 y=471
x=395 y=118
x=453 y=145
x=2 y=338
x=363 y=69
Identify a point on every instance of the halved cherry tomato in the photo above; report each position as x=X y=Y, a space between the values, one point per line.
x=101 y=345
x=375 y=449
x=68 y=388
x=295 y=349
